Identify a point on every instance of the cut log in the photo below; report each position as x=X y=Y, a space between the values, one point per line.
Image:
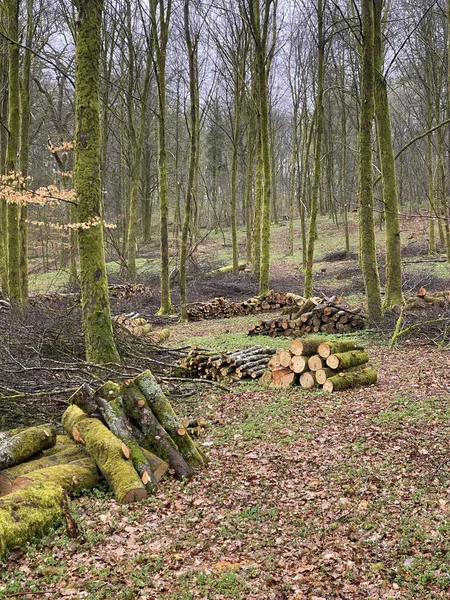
x=17 y=448
x=266 y=377
x=345 y=360
x=327 y=348
x=344 y=381
x=298 y=364
x=296 y=347
x=158 y=465
x=121 y=429
x=282 y=377
x=159 y=440
x=315 y=362
x=274 y=362
x=307 y=380
x=322 y=375
x=73 y=477
x=29 y=512
x=165 y=414
x=308 y=346
x=69 y=453
x=106 y=450
x=284 y=357
x=84 y=399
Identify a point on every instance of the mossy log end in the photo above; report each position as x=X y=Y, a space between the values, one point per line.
x=29 y=512
x=345 y=360
x=18 y=448
x=326 y=348
x=106 y=450
x=74 y=477
x=345 y=381
x=121 y=428
x=159 y=440
x=165 y=414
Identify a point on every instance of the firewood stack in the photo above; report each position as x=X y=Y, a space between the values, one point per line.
x=128 y=433
x=250 y=363
x=221 y=308
x=333 y=366
x=328 y=315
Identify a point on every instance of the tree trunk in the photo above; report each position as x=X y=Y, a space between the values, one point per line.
x=366 y=221
x=15 y=449
x=344 y=381
x=394 y=293
x=98 y=331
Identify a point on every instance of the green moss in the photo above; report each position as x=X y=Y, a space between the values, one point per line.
x=28 y=512
x=18 y=448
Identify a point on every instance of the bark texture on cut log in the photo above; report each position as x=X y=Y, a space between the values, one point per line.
x=106 y=450
x=165 y=414
x=83 y=397
x=17 y=448
x=160 y=441
x=345 y=360
x=344 y=381
x=307 y=347
x=27 y=513
x=158 y=465
x=121 y=429
x=67 y=454
x=326 y=348
x=73 y=477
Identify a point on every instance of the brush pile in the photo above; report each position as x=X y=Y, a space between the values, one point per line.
x=221 y=308
x=128 y=434
x=328 y=315
x=334 y=366
x=250 y=363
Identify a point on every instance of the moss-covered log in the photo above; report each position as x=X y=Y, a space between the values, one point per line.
x=18 y=448
x=29 y=512
x=158 y=465
x=159 y=440
x=106 y=450
x=344 y=381
x=326 y=348
x=68 y=454
x=304 y=347
x=121 y=428
x=345 y=360
x=165 y=414
x=84 y=399
x=73 y=477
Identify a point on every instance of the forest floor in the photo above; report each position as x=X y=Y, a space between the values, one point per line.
x=307 y=496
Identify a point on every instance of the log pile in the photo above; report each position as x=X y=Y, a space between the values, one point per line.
x=221 y=308
x=128 y=434
x=310 y=363
x=316 y=315
x=138 y=326
x=250 y=363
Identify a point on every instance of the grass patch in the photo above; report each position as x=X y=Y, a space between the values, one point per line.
x=406 y=410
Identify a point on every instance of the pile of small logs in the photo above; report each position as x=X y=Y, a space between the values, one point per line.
x=140 y=327
x=127 y=290
x=425 y=299
x=326 y=315
x=334 y=366
x=128 y=434
x=250 y=363
x=221 y=308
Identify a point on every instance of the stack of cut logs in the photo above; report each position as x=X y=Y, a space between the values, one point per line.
x=316 y=315
x=140 y=327
x=335 y=366
x=232 y=366
x=221 y=308
x=129 y=434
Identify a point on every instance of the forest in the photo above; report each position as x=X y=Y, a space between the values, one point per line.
x=224 y=299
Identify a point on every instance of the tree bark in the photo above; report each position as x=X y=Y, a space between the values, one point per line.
x=15 y=449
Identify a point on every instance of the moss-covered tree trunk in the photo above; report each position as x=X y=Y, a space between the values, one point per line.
x=366 y=221
x=160 y=18
x=394 y=294
x=192 y=50
x=25 y=117
x=319 y=120
x=97 y=324
x=3 y=143
x=12 y=11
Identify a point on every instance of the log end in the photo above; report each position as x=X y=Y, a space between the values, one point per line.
x=134 y=496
